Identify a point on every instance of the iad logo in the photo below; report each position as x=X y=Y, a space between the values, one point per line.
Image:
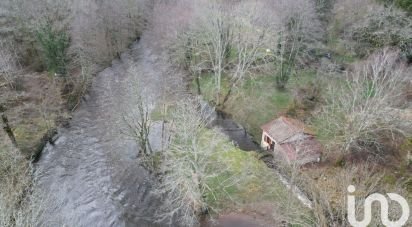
x=376 y=197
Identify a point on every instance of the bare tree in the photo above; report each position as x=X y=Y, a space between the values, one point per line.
x=6 y=126
x=9 y=61
x=80 y=82
x=224 y=39
x=328 y=193
x=15 y=179
x=360 y=109
x=207 y=41
x=138 y=124
x=232 y=41
x=104 y=29
x=186 y=169
x=295 y=26
x=32 y=210
x=253 y=36
x=330 y=200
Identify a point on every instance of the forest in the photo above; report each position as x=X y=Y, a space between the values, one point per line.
x=205 y=112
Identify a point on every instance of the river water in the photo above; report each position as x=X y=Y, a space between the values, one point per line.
x=90 y=176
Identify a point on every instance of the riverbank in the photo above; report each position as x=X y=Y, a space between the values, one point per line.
x=34 y=107
x=96 y=162
x=100 y=163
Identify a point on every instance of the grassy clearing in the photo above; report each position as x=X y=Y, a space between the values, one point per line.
x=229 y=179
x=247 y=180
x=257 y=100
x=34 y=111
x=30 y=134
x=254 y=182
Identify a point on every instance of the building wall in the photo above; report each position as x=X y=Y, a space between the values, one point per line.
x=281 y=154
x=263 y=143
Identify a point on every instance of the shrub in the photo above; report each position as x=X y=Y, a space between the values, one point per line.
x=375 y=35
x=359 y=110
x=108 y=27
x=373 y=26
x=306 y=99
x=406 y=49
x=53 y=46
x=405 y=4
x=9 y=61
x=283 y=75
x=14 y=180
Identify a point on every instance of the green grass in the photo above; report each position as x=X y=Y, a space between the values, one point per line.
x=162 y=112
x=237 y=178
x=257 y=100
x=339 y=47
x=341 y=53
x=405 y=5
x=30 y=134
x=246 y=180
x=208 y=88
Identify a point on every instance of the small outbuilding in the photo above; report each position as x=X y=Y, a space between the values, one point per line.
x=290 y=139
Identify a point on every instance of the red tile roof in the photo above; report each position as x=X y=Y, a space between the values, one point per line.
x=302 y=148
x=283 y=128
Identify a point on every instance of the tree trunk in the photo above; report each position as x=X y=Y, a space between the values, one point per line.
x=7 y=129
x=199 y=91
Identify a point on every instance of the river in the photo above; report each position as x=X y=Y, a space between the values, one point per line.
x=90 y=176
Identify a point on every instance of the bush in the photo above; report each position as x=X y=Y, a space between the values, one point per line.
x=406 y=49
x=14 y=180
x=53 y=46
x=372 y=37
x=373 y=26
x=9 y=61
x=283 y=75
x=405 y=5
x=306 y=98
x=108 y=27
x=359 y=111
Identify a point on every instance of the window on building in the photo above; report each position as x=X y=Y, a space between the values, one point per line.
x=267 y=139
